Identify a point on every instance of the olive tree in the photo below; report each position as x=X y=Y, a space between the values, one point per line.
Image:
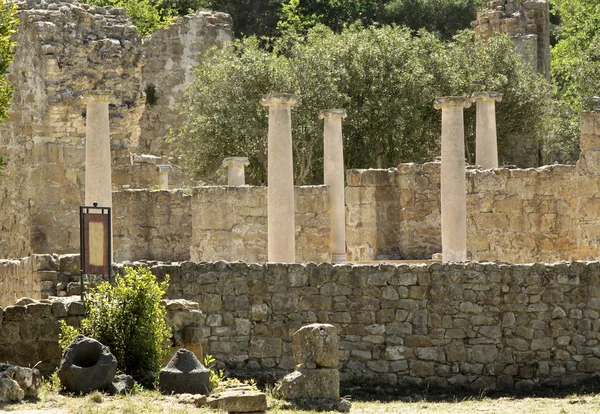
x=387 y=79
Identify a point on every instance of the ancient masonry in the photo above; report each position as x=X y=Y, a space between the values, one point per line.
x=64 y=50
x=473 y=325
x=526 y=22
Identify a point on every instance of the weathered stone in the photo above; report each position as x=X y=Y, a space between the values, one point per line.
x=86 y=365
x=197 y=400
x=28 y=381
x=316 y=343
x=239 y=401
x=312 y=383
x=184 y=374
x=121 y=384
x=10 y=390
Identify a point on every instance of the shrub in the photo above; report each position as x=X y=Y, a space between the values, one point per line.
x=129 y=318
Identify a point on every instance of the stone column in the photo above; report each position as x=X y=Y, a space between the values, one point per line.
x=163 y=175
x=486 y=146
x=333 y=161
x=453 y=182
x=235 y=170
x=98 y=162
x=281 y=240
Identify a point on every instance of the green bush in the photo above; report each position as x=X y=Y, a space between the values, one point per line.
x=129 y=318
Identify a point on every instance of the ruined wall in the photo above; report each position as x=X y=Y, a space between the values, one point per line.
x=526 y=22
x=545 y=214
x=171 y=54
x=230 y=223
x=152 y=224
x=30 y=330
x=64 y=49
x=476 y=325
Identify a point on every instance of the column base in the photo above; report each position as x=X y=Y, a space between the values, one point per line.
x=338 y=258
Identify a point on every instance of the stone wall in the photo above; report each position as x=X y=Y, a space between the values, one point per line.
x=546 y=214
x=477 y=325
x=230 y=223
x=171 y=54
x=152 y=224
x=30 y=329
x=64 y=49
x=527 y=23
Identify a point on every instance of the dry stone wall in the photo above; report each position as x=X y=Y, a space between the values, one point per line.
x=476 y=325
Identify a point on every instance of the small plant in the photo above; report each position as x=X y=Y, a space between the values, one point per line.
x=151 y=97
x=96 y=397
x=216 y=376
x=129 y=318
x=66 y=335
x=52 y=383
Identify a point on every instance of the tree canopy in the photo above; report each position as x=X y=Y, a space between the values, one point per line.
x=387 y=79
x=9 y=19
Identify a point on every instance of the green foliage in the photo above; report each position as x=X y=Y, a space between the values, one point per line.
x=575 y=62
x=2 y=165
x=146 y=15
x=66 y=335
x=442 y=17
x=128 y=318
x=9 y=20
x=216 y=376
x=249 y=17
x=385 y=77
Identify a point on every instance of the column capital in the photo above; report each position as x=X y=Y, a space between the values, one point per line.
x=452 y=101
x=486 y=96
x=333 y=114
x=235 y=162
x=96 y=95
x=274 y=99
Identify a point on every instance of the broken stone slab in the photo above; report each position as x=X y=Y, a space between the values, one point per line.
x=316 y=343
x=239 y=401
x=184 y=374
x=311 y=383
x=86 y=365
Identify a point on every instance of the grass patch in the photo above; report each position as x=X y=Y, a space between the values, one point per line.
x=54 y=402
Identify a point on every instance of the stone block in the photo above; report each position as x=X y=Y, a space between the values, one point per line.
x=86 y=365
x=239 y=401
x=265 y=347
x=316 y=343
x=311 y=383
x=184 y=374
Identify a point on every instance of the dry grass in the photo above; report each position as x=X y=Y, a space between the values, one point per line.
x=53 y=402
